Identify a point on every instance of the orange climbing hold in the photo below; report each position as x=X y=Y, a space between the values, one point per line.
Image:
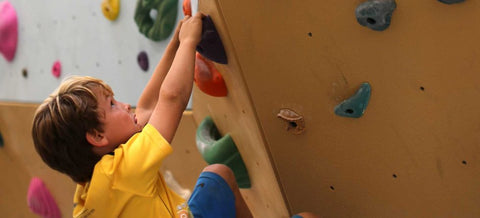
x=208 y=79
x=187 y=8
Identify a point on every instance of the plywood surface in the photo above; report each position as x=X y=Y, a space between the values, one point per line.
x=19 y=155
x=235 y=115
x=414 y=153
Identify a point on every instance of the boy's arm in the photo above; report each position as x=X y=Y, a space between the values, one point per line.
x=149 y=97
x=177 y=86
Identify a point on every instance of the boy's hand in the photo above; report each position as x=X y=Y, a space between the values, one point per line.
x=191 y=30
x=176 y=34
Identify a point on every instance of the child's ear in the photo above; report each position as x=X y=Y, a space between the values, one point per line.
x=96 y=138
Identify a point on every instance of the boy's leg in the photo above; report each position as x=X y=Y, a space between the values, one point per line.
x=217 y=189
x=227 y=174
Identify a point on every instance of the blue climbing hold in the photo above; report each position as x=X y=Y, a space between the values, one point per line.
x=375 y=14
x=356 y=105
x=451 y=1
x=211 y=45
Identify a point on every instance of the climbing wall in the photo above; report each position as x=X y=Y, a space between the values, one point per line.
x=413 y=152
x=40 y=45
x=20 y=163
x=84 y=41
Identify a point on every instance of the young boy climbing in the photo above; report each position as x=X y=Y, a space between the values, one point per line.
x=114 y=154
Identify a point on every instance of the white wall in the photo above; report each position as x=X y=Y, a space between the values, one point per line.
x=76 y=33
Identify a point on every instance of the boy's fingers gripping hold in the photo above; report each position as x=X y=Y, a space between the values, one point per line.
x=191 y=30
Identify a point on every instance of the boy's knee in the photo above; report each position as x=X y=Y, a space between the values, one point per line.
x=223 y=171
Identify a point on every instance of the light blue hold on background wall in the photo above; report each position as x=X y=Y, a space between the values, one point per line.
x=86 y=43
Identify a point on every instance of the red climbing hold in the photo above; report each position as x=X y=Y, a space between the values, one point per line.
x=40 y=201
x=208 y=79
x=57 y=69
x=8 y=30
x=187 y=8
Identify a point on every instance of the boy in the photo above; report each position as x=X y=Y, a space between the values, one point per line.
x=114 y=155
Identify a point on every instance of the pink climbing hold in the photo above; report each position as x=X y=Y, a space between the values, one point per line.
x=57 y=69
x=8 y=30
x=40 y=201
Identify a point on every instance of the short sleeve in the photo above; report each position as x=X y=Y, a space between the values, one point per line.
x=136 y=163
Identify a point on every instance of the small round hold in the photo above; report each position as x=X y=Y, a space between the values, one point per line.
x=110 y=9
x=451 y=1
x=24 y=72
x=375 y=14
x=57 y=69
x=142 y=60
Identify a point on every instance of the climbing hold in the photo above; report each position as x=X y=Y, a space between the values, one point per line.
x=208 y=79
x=217 y=149
x=164 y=22
x=187 y=8
x=57 y=69
x=451 y=1
x=40 y=201
x=211 y=45
x=375 y=14
x=294 y=121
x=142 y=60
x=356 y=105
x=24 y=72
x=110 y=9
x=8 y=30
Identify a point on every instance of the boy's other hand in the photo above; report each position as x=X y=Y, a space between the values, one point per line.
x=191 y=29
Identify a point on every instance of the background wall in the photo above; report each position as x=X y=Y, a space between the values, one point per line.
x=86 y=43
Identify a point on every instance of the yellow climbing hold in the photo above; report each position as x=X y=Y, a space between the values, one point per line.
x=110 y=9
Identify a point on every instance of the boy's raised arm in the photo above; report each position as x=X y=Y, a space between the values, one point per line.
x=149 y=97
x=177 y=86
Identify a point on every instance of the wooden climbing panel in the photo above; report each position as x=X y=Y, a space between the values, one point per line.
x=414 y=152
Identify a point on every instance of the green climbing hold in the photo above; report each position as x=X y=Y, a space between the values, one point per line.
x=356 y=105
x=164 y=23
x=216 y=149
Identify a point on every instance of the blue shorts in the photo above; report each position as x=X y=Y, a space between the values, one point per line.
x=212 y=197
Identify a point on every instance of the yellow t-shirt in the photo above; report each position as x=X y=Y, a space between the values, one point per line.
x=128 y=184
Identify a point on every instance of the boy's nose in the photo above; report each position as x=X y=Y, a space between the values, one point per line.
x=128 y=107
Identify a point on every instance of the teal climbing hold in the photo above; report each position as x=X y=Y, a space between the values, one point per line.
x=216 y=149
x=356 y=105
x=375 y=14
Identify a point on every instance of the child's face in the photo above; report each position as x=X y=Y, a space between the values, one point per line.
x=119 y=122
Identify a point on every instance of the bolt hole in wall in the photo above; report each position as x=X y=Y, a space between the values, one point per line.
x=24 y=72
x=332 y=188
x=349 y=111
x=371 y=21
x=310 y=34
x=464 y=162
x=394 y=175
x=1 y=140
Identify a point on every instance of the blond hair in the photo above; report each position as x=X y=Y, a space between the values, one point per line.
x=60 y=125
